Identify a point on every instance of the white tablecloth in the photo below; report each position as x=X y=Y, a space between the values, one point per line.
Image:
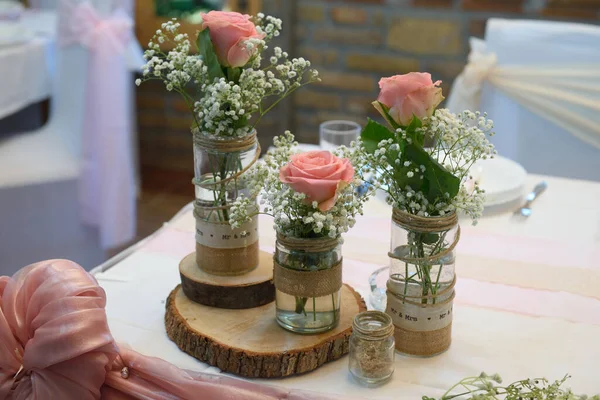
x=26 y=68
x=527 y=305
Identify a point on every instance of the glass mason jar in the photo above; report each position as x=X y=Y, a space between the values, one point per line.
x=421 y=282
x=372 y=348
x=218 y=170
x=219 y=166
x=308 y=284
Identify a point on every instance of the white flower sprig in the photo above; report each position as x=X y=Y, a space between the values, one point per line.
x=268 y=25
x=490 y=387
x=293 y=216
x=224 y=106
x=176 y=68
x=458 y=142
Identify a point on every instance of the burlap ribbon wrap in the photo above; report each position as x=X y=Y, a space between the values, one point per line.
x=417 y=223
x=224 y=145
x=221 y=250
x=423 y=323
x=308 y=283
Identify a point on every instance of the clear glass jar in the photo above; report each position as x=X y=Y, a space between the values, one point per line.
x=372 y=351
x=423 y=262
x=218 y=171
x=219 y=166
x=306 y=314
x=421 y=282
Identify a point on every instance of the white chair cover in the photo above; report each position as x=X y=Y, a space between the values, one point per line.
x=53 y=4
x=540 y=83
x=107 y=187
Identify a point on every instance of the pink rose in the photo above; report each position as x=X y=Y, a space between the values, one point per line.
x=407 y=95
x=319 y=175
x=228 y=33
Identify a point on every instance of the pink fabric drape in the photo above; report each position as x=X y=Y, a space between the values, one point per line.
x=107 y=187
x=55 y=344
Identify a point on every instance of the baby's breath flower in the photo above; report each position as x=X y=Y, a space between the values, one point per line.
x=225 y=107
x=293 y=215
x=482 y=387
x=460 y=140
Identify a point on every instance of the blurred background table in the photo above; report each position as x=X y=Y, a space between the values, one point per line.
x=26 y=60
x=40 y=160
x=527 y=305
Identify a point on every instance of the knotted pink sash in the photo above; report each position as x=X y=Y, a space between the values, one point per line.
x=54 y=338
x=107 y=187
x=55 y=344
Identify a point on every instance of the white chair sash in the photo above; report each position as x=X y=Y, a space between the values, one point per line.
x=107 y=187
x=568 y=95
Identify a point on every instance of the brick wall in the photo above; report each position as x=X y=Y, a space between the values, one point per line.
x=352 y=43
x=164 y=119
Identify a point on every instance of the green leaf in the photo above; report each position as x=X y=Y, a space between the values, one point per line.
x=301 y=304
x=402 y=179
x=411 y=131
x=241 y=122
x=207 y=52
x=373 y=133
x=427 y=238
x=233 y=74
x=437 y=180
x=385 y=111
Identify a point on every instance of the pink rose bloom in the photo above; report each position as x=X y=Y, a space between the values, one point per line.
x=228 y=34
x=319 y=175
x=407 y=95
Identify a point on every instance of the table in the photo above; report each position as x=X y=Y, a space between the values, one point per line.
x=26 y=68
x=527 y=305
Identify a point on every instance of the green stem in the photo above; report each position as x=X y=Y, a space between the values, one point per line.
x=461 y=383
x=223 y=187
x=189 y=101
x=301 y=305
x=286 y=94
x=426 y=269
x=405 y=279
x=214 y=190
x=438 y=246
x=437 y=282
x=333 y=305
x=314 y=309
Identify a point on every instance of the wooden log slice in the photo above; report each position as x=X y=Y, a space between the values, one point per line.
x=250 y=343
x=250 y=290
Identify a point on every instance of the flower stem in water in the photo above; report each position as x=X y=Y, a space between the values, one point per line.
x=301 y=305
x=333 y=305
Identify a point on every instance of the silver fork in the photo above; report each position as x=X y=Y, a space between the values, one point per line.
x=525 y=211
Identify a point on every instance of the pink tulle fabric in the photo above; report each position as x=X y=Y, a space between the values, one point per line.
x=55 y=344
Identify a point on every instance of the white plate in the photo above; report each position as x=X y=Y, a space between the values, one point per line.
x=12 y=33
x=502 y=179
